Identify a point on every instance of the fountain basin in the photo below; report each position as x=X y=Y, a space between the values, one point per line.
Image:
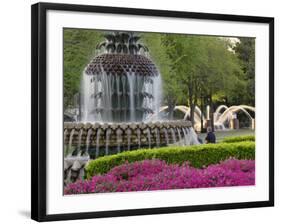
x=74 y=168
x=126 y=136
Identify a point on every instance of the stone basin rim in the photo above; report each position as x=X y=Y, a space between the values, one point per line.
x=142 y=125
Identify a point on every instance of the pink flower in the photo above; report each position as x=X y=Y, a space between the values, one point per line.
x=158 y=175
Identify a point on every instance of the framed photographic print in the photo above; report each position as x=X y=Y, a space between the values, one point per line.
x=138 y=111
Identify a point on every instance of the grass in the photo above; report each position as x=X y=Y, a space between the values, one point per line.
x=220 y=135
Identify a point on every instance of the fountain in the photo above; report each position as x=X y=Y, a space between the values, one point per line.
x=121 y=92
x=223 y=115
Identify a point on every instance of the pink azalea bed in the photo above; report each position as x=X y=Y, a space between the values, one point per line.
x=150 y=175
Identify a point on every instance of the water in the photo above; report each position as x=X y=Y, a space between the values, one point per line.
x=129 y=133
x=157 y=137
x=139 y=137
x=89 y=133
x=230 y=113
x=118 y=95
x=186 y=139
x=119 y=138
x=132 y=86
x=131 y=97
x=193 y=137
x=157 y=94
x=166 y=136
x=189 y=137
x=180 y=138
x=108 y=132
x=173 y=135
x=98 y=140
x=70 y=141
x=148 y=137
x=79 y=141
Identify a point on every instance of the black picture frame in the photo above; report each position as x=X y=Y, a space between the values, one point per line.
x=39 y=108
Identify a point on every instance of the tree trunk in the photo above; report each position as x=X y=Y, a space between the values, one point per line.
x=201 y=117
x=171 y=107
x=191 y=104
x=192 y=109
x=80 y=106
x=212 y=112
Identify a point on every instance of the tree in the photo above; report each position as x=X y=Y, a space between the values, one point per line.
x=223 y=70
x=205 y=67
x=184 y=55
x=158 y=51
x=78 y=50
x=245 y=50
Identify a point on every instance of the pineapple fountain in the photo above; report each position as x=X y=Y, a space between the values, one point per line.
x=121 y=92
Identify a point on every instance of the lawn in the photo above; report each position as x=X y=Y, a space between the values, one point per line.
x=220 y=135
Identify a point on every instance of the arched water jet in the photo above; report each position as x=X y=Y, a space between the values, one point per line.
x=219 y=119
x=234 y=109
x=186 y=111
x=218 y=110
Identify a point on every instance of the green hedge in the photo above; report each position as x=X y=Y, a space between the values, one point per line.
x=197 y=155
x=239 y=139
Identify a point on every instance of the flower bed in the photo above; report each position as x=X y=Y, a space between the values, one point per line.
x=158 y=175
x=197 y=155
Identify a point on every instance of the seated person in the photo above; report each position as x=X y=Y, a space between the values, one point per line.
x=210 y=138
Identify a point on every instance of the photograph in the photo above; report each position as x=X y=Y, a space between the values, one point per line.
x=155 y=111
x=146 y=111
x=139 y=112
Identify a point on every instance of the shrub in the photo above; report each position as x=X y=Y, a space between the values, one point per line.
x=158 y=175
x=239 y=138
x=197 y=156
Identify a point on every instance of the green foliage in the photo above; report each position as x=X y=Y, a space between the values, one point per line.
x=78 y=49
x=173 y=88
x=239 y=138
x=197 y=156
x=245 y=51
x=200 y=66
